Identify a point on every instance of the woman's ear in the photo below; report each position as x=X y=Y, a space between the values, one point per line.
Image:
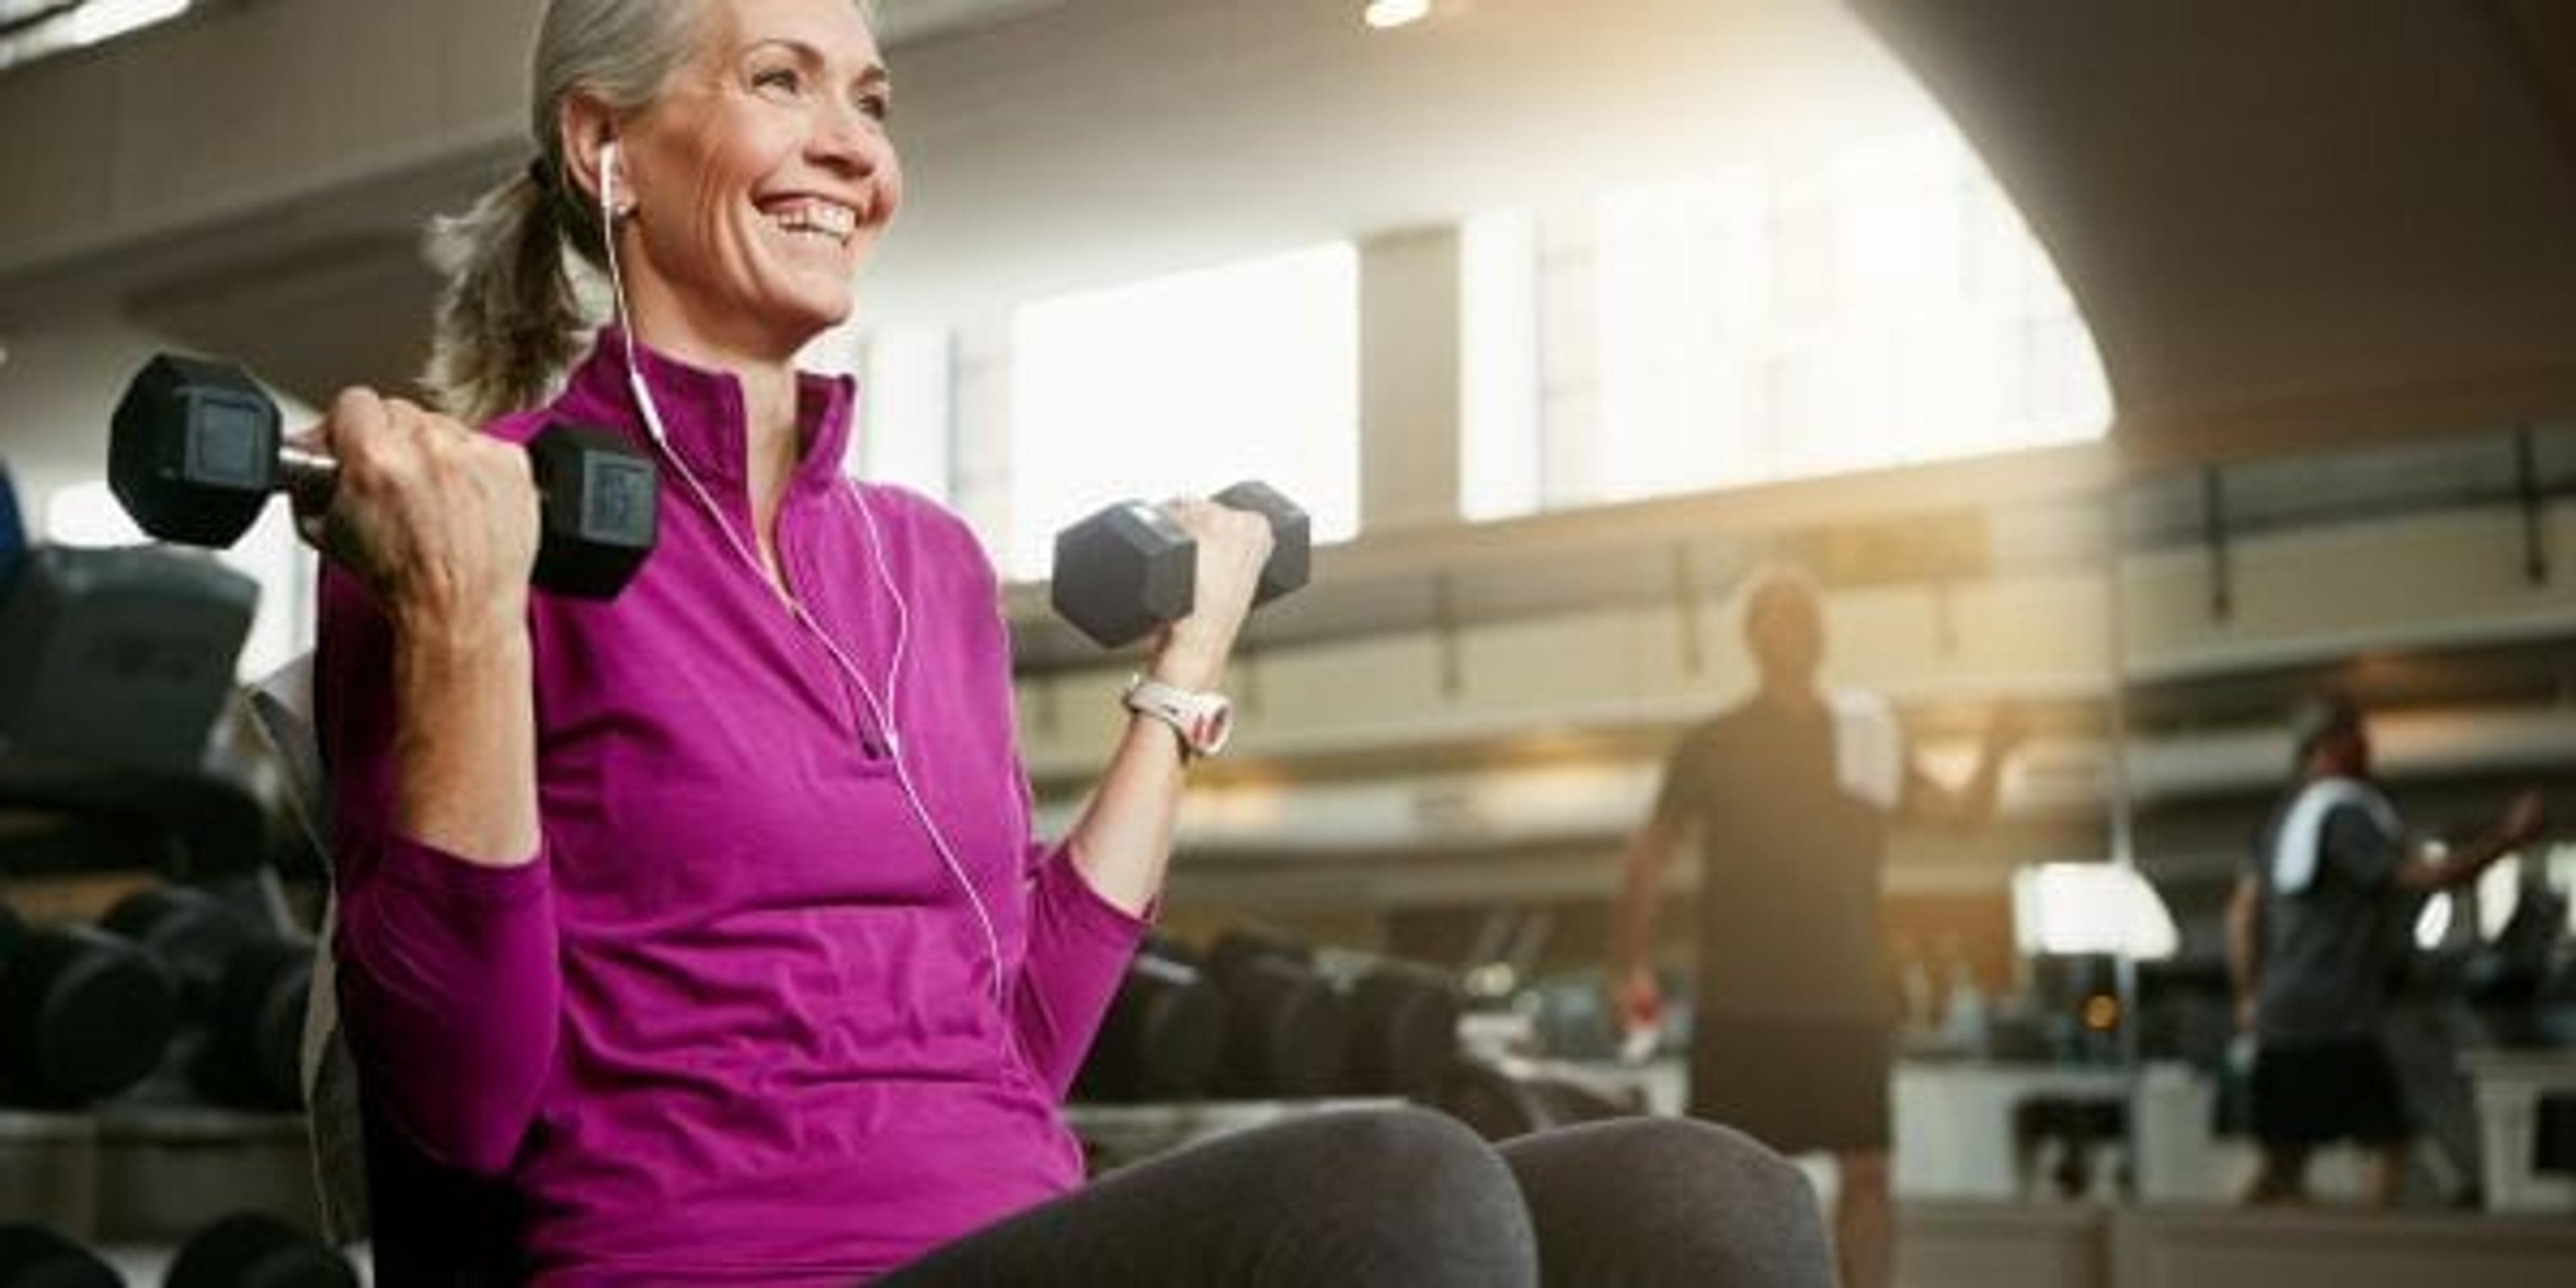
x=586 y=131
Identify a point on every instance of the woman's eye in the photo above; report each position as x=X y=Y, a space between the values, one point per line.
x=780 y=79
x=877 y=106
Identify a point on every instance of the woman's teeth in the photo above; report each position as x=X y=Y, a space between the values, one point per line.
x=829 y=221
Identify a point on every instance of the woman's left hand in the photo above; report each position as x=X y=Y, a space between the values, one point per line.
x=1232 y=547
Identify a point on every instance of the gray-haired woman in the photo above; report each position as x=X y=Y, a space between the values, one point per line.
x=709 y=921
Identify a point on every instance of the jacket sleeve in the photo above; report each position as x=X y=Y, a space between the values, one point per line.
x=1079 y=947
x=450 y=985
x=1077 y=944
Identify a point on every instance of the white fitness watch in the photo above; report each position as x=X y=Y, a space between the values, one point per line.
x=1203 y=720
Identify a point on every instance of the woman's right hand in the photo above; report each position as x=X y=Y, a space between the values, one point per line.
x=438 y=521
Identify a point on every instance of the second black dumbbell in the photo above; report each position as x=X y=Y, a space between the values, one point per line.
x=197 y=448
x=1129 y=569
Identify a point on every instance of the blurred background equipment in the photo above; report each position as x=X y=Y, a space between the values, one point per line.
x=1504 y=1098
x=84 y=1014
x=114 y=665
x=118 y=656
x=242 y=987
x=1287 y=1026
x=1404 y=1029
x=1163 y=1035
x=32 y=1256
x=253 y=1250
x=13 y=532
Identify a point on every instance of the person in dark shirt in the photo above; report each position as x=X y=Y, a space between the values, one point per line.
x=2315 y=945
x=1792 y=792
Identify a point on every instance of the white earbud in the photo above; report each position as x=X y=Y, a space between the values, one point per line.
x=608 y=178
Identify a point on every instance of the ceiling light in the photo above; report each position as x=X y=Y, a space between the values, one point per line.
x=101 y=19
x=1386 y=15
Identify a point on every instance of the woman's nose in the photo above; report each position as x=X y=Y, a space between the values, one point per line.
x=852 y=139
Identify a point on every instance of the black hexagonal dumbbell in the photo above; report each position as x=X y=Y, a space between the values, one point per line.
x=84 y=1014
x=242 y=989
x=1128 y=569
x=253 y=1250
x=196 y=449
x=32 y=1256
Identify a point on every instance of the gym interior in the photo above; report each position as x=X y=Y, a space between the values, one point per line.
x=2112 y=383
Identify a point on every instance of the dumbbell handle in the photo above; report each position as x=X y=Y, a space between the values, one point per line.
x=311 y=477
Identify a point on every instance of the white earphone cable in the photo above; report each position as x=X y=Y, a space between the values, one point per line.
x=881 y=712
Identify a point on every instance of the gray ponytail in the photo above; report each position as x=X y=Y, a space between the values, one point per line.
x=509 y=320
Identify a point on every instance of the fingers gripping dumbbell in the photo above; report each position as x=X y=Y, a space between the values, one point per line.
x=1129 y=569
x=196 y=450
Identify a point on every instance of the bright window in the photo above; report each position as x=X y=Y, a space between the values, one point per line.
x=1500 y=452
x=2091 y=908
x=1182 y=385
x=1886 y=310
x=904 y=433
x=1803 y=318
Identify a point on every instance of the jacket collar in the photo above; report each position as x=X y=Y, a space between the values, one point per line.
x=702 y=410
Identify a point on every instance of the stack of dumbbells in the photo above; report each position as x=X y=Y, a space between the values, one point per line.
x=176 y=1007
x=176 y=1002
x=1261 y=1016
x=246 y=1250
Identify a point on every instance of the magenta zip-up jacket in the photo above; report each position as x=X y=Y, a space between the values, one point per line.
x=737 y=1021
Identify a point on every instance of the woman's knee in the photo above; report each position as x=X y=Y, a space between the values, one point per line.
x=1701 y=1167
x=1422 y=1188
x=1413 y=1155
x=1670 y=1201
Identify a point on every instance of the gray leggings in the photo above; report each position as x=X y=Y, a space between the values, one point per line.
x=1408 y=1197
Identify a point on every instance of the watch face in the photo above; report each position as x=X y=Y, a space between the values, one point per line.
x=1208 y=732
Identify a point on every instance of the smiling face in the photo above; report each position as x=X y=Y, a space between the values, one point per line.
x=759 y=180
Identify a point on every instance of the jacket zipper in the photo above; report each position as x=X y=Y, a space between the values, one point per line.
x=854 y=696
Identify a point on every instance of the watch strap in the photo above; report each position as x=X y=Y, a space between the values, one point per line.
x=1203 y=720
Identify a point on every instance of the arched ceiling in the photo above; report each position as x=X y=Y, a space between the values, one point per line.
x=2289 y=224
